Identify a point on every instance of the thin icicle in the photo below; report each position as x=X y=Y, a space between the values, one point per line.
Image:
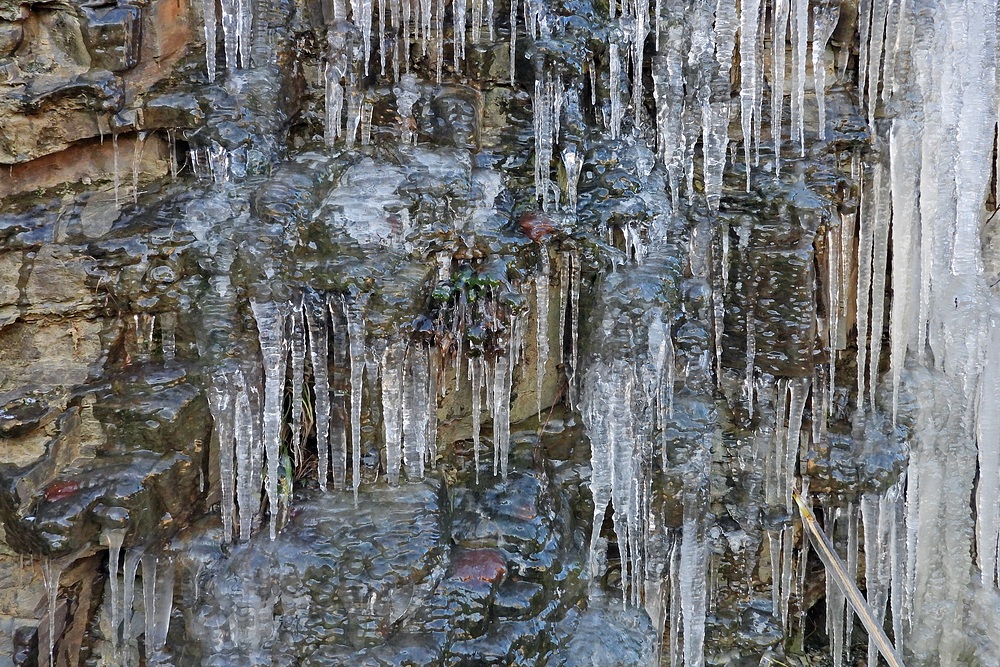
x=392 y=407
x=542 y=324
x=800 y=36
x=298 y=348
x=247 y=489
x=881 y=223
x=778 y=56
x=315 y=311
x=115 y=537
x=614 y=85
x=416 y=410
x=476 y=382
x=749 y=27
x=501 y=412
x=220 y=403
x=356 y=338
x=271 y=328
x=826 y=14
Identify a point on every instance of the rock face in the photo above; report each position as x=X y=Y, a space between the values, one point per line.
x=252 y=261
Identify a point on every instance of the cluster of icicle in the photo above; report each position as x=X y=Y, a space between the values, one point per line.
x=327 y=331
x=627 y=404
x=934 y=68
x=157 y=602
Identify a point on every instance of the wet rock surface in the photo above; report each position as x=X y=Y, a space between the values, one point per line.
x=187 y=190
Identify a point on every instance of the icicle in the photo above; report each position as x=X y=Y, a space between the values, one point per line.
x=614 y=85
x=835 y=601
x=572 y=165
x=114 y=537
x=334 y=103
x=298 y=347
x=158 y=585
x=367 y=111
x=749 y=27
x=458 y=11
x=416 y=410
x=229 y=21
x=641 y=25
x=542 y=323
x=356 y=337
x=904 y=151
x=392 y=407
x=502 y=380
x=476 y=381
x=245 y=31
x=355 y=99
x=381 y=36
x=338 y=416
x=881 y=223
x=168 y=341
x=825 y=18
x=513 y=40
x=51 y=573
x=574 y=327
x=693 y=557
x=880 y=12
x=852 y=571
x=431 y=424
x=220 y=402
x=209 y=18
x=247 y=489
x=131 y=566
x=315 y=314
x=778 y=55
x=114 y=166
x=439 y=40
x=800 y=36
x=274 y=351
x=988 y=439
x=865 y=249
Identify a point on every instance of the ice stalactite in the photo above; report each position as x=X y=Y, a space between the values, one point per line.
x=209 y=19
x=476 y=383
x=779 y=52
x=132 y=559
x=716 y=126
x=750 y=62
x=248 y=455
x=825 y=18
x=800 y=36
x=417 y=405
x=542 y=323
x=221 y=404
x=356 y=338
x=51 y=573
x=297 y=343
x=273 y=332
x=114 y=537
x=547 y=104
x=391 y=368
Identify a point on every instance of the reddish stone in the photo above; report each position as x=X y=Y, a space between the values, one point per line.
x=59 y=490
x=486 y=565
x=535 y=225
